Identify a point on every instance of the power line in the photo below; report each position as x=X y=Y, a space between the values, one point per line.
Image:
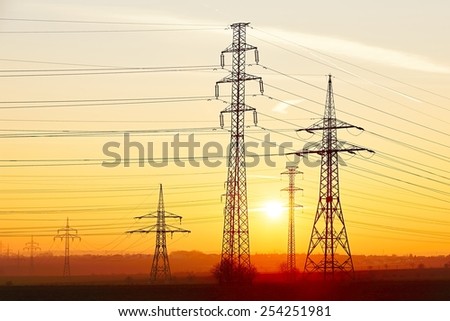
x=392 y=167
x=103 y=121
x=119 y=103
x=352 y=64
x=353 y=115
x=92 y=72
x=98 y=100
x=106 y=31
x=363 y=170
x=358 y=102
x=90 y=133
x=384 y=155
x=387 y=166
x=406 y=145
x=108 y=22
x=393 y=101
x=55 y=63
x=159 y=68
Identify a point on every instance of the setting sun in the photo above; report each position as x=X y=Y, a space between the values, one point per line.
x=273 y=209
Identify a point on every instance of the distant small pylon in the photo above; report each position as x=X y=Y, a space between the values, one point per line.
x=160 y=271
x=67 y=233
x=291 y=268
x=32 y=247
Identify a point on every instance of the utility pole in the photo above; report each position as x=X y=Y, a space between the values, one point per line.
x=291 y=189
x=235 y=263
x=32 y=247
x=67 y=233
x=160 y=271
x=329 y=234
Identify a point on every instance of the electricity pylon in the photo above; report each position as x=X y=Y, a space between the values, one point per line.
x=67 y=233
x=291 y=268
x=235 y=259
x=32 y=247
x=329 y=234
x=160 y=271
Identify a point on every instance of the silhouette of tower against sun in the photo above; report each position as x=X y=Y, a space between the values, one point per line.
x=160 y=271
x=329 y=234
x=235 y=259
x=291 y=171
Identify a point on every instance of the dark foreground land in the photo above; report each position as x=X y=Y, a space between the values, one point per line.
x=388 y=286
x=401 y=290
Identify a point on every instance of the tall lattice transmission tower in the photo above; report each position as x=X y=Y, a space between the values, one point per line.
x=32 y=247
x=160 y=271
x=68 y=234
x=329 y=234
x=235 y=259
x=291 y=171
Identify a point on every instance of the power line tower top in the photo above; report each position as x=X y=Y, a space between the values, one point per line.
x=160 y=271
x=67 y=233
x=329 y=233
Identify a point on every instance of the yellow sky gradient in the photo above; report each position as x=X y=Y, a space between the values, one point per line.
x=396 y=202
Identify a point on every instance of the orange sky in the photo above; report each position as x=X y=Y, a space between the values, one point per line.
x=395 y=87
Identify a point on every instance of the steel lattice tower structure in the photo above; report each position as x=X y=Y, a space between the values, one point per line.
x=32 y=246
x=67 y=233
x=160 y=271
x=329 y=234
x=291 y=189
x=235 y=256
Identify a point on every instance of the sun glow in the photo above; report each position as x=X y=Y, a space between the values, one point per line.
x=273 y=209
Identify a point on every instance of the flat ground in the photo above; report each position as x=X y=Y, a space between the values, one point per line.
x=377 y=285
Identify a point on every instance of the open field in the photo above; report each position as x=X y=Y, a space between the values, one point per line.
x=433 y=284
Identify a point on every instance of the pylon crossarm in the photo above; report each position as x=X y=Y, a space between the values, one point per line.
x=153 y=229
x=149 y=215
x=244 y=47
x=329 y=151
x=242 y=77
x=67 y=229
x=167 y=214
x=287 y=189
x=147 y=229
x=232 y=109
x=348 y=147
x=172 y=215
x=337 y=124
